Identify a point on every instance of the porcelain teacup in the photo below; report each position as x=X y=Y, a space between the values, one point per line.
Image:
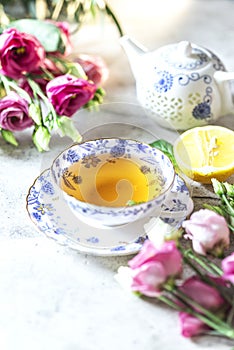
x=109 y=182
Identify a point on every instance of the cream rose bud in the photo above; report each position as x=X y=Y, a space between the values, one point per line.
x=124 y=277
x=160 y=232
x=208 y=231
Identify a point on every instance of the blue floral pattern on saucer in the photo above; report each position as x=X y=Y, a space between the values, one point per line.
x=53 y=218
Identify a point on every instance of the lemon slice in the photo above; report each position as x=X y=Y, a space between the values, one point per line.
x=206 y=152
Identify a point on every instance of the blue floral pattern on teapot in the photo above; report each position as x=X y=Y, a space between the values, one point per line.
x=180 y=85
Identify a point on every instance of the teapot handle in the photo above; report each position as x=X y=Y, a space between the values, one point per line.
x=223 y=80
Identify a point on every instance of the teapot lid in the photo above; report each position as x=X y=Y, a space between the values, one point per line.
x=185 y=55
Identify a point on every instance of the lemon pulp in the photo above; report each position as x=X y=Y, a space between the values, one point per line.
x=206 y=152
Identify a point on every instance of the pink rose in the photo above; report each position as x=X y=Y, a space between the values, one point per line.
x=152 y=267
x=191 y=326
x=148 y=279
x=208 y=231
x=228 y=268
x=205 y=295
x=94 y=67
x=23 y=84
x=39 y=77
x=14 y=113
x=68 y=93
x=19 y=53
x=65 y=34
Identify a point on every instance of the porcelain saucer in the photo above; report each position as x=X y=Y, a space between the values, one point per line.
x=49 y=212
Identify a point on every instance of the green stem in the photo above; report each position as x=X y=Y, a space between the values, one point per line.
x=36 y=89
x=231 y=313
x=112 y=15
x=8 y=85
x=206 y=316
x=206 y=264
x=60 y=60
x=226 y=210
x=208 y=280
x=190 y=302
x=57 y=10
x=189 y=263
x=217 y=270
x=219 y=288
x=201 y=309
x=221 y=210
x=230 y=208
x=226 y=330
x=47 y=73
x=169 y=302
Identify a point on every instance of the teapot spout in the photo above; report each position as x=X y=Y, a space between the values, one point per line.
x=134 y=52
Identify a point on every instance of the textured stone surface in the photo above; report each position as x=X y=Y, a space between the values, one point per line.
x=52 y=297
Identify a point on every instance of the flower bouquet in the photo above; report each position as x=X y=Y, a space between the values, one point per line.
x=190 y=279
x=39 y=86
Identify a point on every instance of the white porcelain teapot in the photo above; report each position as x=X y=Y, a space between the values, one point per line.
x=180 y=85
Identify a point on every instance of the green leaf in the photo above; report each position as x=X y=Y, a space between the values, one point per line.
x=35 y=113
x=47 y=33
x=75 y=69
x=231 y=223
x=79 y=13
x=93 y=104
x=218 y=209
x=41 y=138
x=9 y=137
x=66 y=127
x=167 y=148
x=48 y=121
x=93 y=9
x=218 y=187
x=164 y=146
x=131 y=202
x=229 y=189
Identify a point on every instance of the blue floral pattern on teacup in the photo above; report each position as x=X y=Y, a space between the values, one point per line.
x=151 y=161
x=72 y=156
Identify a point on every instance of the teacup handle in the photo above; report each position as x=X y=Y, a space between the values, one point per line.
x=227 y=95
